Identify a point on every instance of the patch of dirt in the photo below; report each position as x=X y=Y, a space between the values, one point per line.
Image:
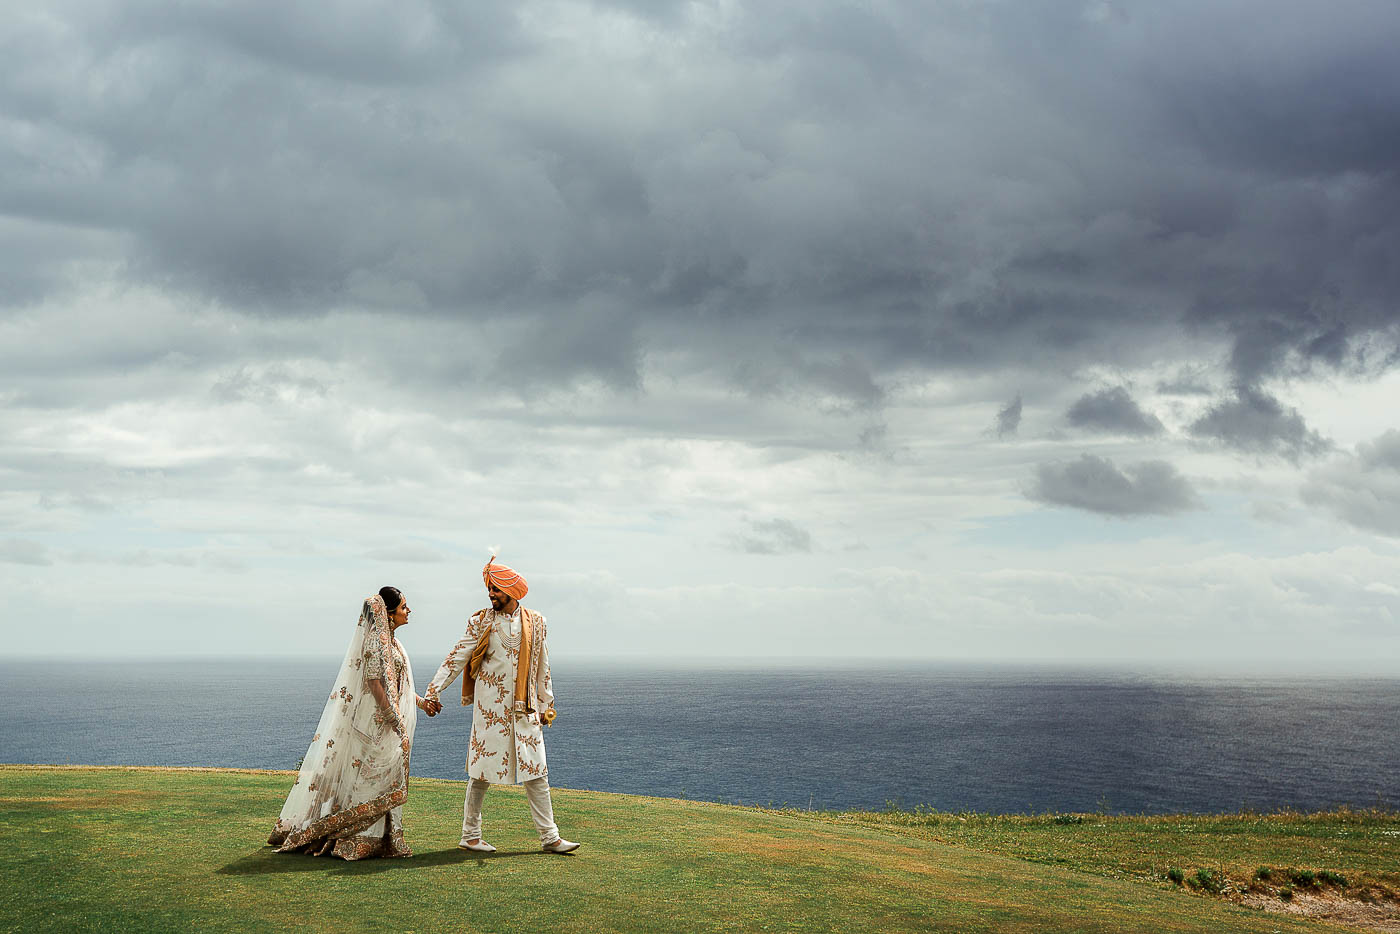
x=25 y=767
x=873 y=866
x=1380 y=915
x=786 y=845
x=81 y=799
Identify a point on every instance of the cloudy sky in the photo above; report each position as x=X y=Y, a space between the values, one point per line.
x=957 y=330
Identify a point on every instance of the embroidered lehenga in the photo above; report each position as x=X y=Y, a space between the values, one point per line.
x=348 y=797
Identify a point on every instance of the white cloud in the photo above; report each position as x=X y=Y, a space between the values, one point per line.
x=1362 y=489
x=24 y=551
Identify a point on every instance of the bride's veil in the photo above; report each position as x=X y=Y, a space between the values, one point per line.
x=355 y=770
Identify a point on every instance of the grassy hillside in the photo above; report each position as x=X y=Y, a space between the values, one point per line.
x=87 y=849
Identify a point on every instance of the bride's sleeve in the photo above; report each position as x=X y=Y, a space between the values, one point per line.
x=373 y=669
x=371 y=655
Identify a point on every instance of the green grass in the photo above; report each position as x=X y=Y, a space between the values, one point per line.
x=88 y=849
x=1360 y=848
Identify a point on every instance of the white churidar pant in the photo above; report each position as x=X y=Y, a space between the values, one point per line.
x=536 y=792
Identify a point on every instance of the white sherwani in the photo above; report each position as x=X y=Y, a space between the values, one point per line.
x=505 y=748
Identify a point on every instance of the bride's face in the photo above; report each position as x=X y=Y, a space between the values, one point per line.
x=400 y=615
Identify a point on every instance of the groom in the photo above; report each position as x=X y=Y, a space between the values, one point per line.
x=507 y=678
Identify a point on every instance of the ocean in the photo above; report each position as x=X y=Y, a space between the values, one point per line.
x=999 y=739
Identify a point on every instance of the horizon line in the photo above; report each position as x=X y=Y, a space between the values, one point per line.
x=1360 y=668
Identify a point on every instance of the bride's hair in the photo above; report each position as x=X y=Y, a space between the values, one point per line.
x=392 y=597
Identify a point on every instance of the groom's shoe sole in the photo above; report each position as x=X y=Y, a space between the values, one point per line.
x=568 y=848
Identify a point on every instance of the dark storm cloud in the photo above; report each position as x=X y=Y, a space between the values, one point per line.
x=1188 y=381
x=1257 y=423
x=1095 y=484
x=390 y=44
x=919 y=186
x=1112 y=411
x=773 y=537
x=1009 y=418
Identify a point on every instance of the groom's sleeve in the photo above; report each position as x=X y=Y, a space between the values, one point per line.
x=455 y=661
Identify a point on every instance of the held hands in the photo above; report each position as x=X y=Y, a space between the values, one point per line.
x=430 y=705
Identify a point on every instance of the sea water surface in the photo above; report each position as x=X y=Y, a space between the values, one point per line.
x=953 y=737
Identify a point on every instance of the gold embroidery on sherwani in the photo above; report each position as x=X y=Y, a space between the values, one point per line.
x=497 y=681
x=512 y=738
x=494 y=718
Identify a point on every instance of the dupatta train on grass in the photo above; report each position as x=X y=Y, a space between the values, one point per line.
x=348 y=797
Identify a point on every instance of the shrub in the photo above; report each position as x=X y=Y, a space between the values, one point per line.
x=1303 y=878
x=1263 y=873
x=1333 y=878
x=1068 y=819
x=1210 y=881
x=1176 y=875
x=1286 y=892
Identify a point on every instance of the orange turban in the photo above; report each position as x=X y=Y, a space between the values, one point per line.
x=505 y=579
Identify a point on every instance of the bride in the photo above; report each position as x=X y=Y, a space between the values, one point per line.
x=348 y=798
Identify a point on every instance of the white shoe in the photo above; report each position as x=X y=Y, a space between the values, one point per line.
x=560 y=846
x=480 y=846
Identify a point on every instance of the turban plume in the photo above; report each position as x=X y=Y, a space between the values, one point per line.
x=505 y=579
